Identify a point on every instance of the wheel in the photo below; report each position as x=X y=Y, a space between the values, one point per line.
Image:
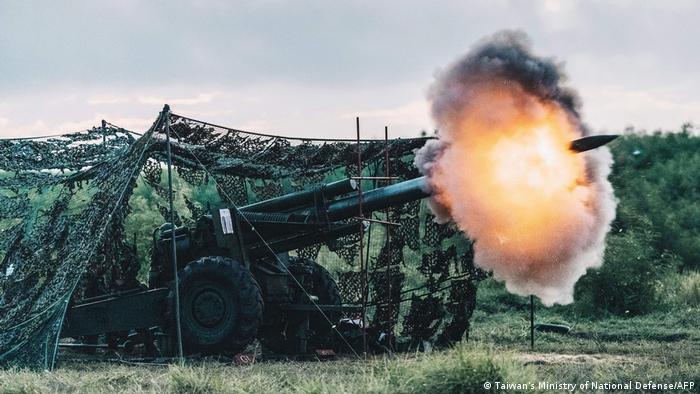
x=281 y=337
x=221 y=306
x=326 y=289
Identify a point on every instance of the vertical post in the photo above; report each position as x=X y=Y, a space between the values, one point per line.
x=104 y=132
x=363 y=269
x=532 y=322
x=176 y=283
x=387 y=229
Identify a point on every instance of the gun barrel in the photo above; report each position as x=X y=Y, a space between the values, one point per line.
x=308 y=217
x=302 y=198
x=378 y=199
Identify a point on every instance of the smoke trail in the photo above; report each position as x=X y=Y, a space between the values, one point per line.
x=503 y=172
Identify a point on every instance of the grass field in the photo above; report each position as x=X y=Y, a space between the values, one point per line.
x=659 y=347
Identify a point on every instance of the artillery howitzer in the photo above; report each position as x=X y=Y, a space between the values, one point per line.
x=237 y=281
x=236 y=278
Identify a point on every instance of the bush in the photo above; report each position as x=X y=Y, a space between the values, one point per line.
x=689 y=289
x=657 y=175
x=627 y=282
x=682 y=289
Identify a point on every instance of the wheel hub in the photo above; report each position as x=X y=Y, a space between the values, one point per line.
x=209 y=308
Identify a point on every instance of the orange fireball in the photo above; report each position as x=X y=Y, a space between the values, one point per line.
x=508 y=178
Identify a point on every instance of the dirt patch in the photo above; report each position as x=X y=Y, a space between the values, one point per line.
x=621 y=337
x=555 y=358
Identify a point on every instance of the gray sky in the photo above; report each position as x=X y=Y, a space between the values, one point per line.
x=308 y=67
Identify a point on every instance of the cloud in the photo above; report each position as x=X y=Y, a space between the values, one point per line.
x=316 y=65
x=132 y=124
x=256 y=125
x=201 y=98
x=560 y=15
x=40 y=127
x=108 y=99
x=414 y=112
x=36 y=128
x=644 y=109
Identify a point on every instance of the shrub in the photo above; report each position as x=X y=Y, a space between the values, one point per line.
x=627 y=282
x=689 y=289
x=683 y=289
x=657 y=175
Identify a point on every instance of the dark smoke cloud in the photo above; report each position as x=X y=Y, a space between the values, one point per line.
x=508 y=55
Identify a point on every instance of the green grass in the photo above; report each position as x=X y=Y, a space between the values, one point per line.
x=460 y=370
x=661 y=347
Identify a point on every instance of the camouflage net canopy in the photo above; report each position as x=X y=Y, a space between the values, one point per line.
x=68 y=206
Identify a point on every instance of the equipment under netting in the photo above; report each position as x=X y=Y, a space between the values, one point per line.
x=72 y=210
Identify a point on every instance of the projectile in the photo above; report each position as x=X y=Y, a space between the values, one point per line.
x=591 y=142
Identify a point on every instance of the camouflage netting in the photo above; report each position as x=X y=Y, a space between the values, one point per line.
x=61 y=198
x=64 y=203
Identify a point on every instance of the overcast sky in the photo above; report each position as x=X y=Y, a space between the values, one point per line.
x=308 y=67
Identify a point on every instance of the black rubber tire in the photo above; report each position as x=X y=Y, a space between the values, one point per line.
x=326 y=289
x=221 y=306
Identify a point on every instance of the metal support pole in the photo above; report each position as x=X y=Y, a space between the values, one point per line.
x=387 y=229
x=104 y=132
x=176 y=282
x=363 y=269
x=532 y=322
x=369 y=239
